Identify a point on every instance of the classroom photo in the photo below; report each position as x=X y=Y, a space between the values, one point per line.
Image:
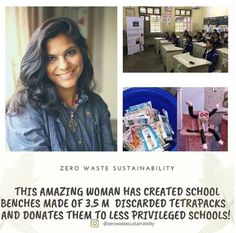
x=175 y=39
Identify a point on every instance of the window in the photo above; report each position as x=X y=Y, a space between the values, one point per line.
x=181 y=12
x=150 y=10
x=188 y=12
x=142 y=10
x=152 y=16
x=155 y=23
x=177 y=12
x=157 y=11
x=183 y=23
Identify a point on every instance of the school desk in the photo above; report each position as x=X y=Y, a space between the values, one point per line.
x=157 y=43
x=163 y=42
x=222 y=64
x=198 y=49
x=168 y=52
x=186 y=63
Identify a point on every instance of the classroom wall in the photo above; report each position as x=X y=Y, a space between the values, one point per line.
x=136 y=13
x=168 y=26
x=214 y=11
x=198 y=16
x=197 y=20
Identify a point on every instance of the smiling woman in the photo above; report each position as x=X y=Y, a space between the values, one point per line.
x=54 y=108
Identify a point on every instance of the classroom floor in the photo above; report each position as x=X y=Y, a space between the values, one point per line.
x=146 y=61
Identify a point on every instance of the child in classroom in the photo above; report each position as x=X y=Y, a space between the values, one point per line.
x=188 y=46
x=216 y=38
x=167 y=35
x=174 y=39
x=199 y=37
x=211 y=55
x=185 y=34
x=225 y=38
x=204 y=34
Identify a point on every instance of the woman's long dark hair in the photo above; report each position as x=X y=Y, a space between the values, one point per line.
x=34 y=87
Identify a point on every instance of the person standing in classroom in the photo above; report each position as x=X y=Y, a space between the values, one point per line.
x=208 y=28
x=217 y=28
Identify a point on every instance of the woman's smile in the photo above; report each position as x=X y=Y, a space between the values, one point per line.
x=66 y=76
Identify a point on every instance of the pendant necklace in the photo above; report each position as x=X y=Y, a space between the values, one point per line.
x=72 y=123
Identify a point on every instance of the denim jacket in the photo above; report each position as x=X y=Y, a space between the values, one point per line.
x=36 y=130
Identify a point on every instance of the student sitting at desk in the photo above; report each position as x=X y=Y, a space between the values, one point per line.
x=171 y=36
x=217 y=40
x=185 y=34
x=214 y=34
x=199 y=37
x=211 y=55
x=204 y=34
x=166 y=36
x=225 y=38
x=174 y=39
x=188 y=47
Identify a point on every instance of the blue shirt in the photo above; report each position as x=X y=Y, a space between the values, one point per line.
x=36 y=130
x=188 y=47
x=212 y=56
x=175 y=41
